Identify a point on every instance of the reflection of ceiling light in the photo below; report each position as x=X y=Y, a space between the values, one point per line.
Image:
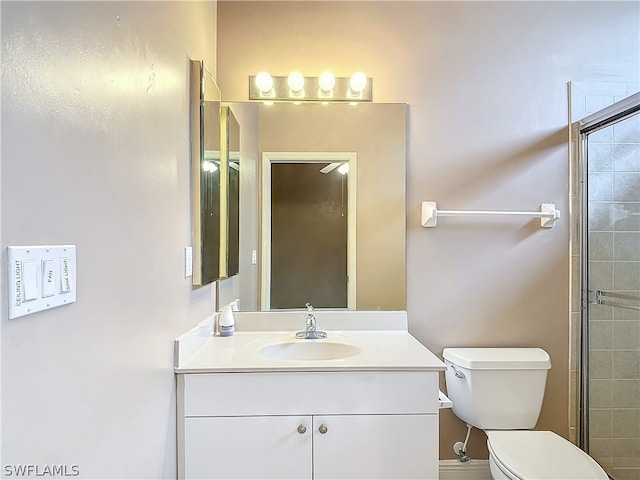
x=342 y=167
x=329 y=168
x=209 y=166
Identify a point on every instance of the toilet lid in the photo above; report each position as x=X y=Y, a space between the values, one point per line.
x=541 y=456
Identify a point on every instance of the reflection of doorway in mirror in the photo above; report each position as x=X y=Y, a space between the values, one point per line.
x=308 y=230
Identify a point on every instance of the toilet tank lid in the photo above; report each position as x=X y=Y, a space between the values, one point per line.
x=498 y=358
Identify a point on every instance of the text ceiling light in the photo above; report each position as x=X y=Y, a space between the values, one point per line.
x=296 y=87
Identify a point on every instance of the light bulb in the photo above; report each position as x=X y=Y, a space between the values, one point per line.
x=264 y=82
x=326 y=82
x=295 y=82
x=358 y=82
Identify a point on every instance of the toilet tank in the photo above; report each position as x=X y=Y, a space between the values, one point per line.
x=497 y=388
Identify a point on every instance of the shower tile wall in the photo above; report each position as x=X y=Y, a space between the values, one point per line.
x=614 y=265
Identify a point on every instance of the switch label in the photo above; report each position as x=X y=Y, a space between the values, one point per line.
x=17 y=282
x=65 y=277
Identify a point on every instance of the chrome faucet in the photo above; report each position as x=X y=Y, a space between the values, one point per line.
x=310 y=332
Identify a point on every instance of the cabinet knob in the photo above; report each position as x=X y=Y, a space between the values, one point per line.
x=323 y=429
x=302 y=429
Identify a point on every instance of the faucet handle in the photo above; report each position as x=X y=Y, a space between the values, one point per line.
x=309 y=307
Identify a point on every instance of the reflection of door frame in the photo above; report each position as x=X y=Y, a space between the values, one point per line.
x=265 y=224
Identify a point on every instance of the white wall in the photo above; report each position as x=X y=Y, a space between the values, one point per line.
x=486 y=84
x=95 y=152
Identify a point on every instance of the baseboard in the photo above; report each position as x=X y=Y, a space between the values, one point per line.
x=474 y=469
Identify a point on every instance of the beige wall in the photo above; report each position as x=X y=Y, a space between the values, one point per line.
x=377 y=134
x=95 y=152
x=486 y=84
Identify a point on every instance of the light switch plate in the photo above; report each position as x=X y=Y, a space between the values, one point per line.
x=188 y=262
x=40 y=277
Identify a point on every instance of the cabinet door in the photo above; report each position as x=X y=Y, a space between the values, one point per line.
x=375 y=447
x=248 y=447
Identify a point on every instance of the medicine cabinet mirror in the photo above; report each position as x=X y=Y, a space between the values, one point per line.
x=229 y=259
x=205 y=174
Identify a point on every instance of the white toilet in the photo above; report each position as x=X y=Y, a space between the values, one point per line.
x=500 y=391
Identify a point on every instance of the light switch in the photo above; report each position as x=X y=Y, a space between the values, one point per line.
x=29 y=280
x=50 y=271
x=65 y=275
x=40 y=277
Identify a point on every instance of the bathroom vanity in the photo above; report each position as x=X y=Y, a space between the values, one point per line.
x=263 y=404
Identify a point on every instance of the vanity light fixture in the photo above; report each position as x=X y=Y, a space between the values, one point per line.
x=296 y=87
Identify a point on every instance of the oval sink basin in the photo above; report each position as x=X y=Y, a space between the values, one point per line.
x=309 y=350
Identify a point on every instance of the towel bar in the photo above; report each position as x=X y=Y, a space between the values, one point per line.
x=430 y=213
x=598 y=300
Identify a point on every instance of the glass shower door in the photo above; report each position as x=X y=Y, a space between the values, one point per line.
x=612 y=417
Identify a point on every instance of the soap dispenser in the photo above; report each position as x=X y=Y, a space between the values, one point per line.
x=226 y=323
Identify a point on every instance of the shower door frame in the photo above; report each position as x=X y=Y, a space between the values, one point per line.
x=579 y=132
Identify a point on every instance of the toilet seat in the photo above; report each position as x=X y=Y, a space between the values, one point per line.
x=529 y=455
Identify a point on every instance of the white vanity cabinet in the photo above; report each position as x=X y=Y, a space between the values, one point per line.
x=375 y=446
x=247 y=447
x=308 y=425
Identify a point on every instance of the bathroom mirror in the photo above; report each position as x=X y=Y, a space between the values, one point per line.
x=230 y=246
x=376 y=135
x=205 y=174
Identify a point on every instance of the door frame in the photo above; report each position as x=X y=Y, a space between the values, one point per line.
x=265 y=216
x=578 y=144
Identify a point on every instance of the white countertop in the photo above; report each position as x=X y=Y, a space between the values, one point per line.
x=380 y=350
